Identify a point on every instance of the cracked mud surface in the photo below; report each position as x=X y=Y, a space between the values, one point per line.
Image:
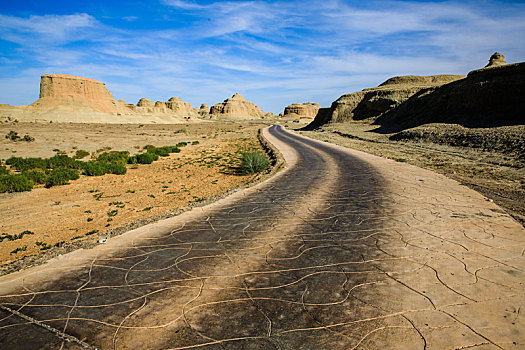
x=340 y=250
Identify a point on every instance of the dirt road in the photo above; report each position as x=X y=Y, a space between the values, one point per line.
x=340 y=250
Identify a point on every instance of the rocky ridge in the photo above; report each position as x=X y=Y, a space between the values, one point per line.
x=487 y=97
x=373 y=102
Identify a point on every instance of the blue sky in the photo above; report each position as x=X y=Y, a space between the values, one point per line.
x=273 y=52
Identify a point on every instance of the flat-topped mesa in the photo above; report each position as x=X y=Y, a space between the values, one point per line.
x=301 y=110
x=63 y=89
x=373 y=102
x=236 y=107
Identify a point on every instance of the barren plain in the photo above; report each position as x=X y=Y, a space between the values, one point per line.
x=90 y=208
x=498 y=174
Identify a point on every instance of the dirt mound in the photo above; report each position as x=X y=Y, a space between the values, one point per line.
x=373 y=102
x=487 y=97
x=301 y=110
x=236 y=107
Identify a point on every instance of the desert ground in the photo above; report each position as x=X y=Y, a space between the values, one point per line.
x=340 y=249
x=498 y=174
x=78 y=215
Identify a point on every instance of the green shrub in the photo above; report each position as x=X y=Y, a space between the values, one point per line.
x=195 y=143
x=79 y=154
x=22 y=164
x=15 y=183
x=37 y=175
x=162 y=151
x=61 y=176
x=28 y=138
x=94 y=168
x=253 y=162
x=116 y=168
x=63 y=161
x=15 y=236
x=182 y=144
x=3 y=170
x=120 y=157
x=146 y=158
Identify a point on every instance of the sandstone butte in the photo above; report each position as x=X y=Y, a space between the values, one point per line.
x=301 y=110
x=84 y=93
x=236 y=107
x=64 y=92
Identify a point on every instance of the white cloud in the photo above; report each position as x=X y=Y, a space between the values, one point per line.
x=275 y=53
x=48 y=29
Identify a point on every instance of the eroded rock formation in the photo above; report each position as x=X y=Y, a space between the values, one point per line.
x=69 y=98
x=301 y=110
x=59 y=90
x=144 y=102
x=236 y=107
x=487 y=97
x=373 y=102
x=496 y=59
x=203 y=111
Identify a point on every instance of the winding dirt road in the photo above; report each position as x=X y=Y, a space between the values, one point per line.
x=340 y=250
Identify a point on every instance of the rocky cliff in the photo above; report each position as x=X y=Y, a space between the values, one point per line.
x=491 y=96
x=236 y=107
x=373 y=102
x=84 y=93
x=301 y=110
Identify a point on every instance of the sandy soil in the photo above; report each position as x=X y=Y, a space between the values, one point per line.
x=94 y=207
x=498 y=176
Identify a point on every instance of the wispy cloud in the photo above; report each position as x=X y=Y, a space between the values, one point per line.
x=274 y=52
x=49 y=28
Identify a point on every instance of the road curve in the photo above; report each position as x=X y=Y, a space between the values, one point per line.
x=340 y=250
